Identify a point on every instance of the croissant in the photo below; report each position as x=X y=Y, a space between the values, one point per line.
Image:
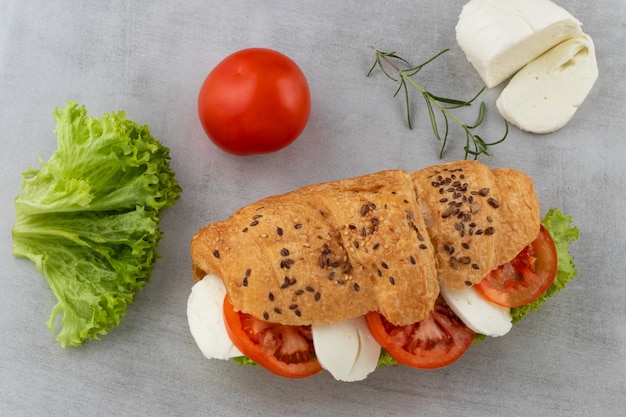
x=382 y=242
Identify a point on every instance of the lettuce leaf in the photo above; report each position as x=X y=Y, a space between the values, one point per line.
x=385 y=359
x=89 y=218
x=558 y=224
x=244 y=361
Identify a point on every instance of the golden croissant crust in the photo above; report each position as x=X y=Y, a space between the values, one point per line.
x=381 y=242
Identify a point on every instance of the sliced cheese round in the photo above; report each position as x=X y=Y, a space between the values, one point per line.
x=346 y=349
x=206 y=320
x=477 y=313
x=544 y=95
x=501 y=36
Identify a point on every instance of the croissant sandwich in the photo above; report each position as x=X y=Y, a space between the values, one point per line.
x=346 y=274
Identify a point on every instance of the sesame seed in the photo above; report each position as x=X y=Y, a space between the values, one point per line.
x=279 y=231
x=254 y=223
x=317 y=296
x=412 y=259
x=484 y=191
x=266 y=316
x=298 y=313
x=309 y=288
x=270 y=296
x=286 y=263
x=493 y=202
x=297 y=226
x=216 y=253
x=447 y=212
x=284 y=252
x=384 y=265
x=245 y=282
x=454 y=263
x=392 y=280
x=356 y=287
x=475 y=266
x=293 y=306
x=331 y=276
x=490 y=231
x=277 y=310
x=468 y=283
x=422 y=246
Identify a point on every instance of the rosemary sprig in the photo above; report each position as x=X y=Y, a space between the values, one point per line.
x=475 y=145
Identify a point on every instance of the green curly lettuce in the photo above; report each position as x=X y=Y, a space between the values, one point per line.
x=89 y=218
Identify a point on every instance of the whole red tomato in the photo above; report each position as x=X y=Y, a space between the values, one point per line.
x=255 y=101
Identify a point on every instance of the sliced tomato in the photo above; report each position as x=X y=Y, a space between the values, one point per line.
x=432 y=343
x=526 y=277
x=284 y=350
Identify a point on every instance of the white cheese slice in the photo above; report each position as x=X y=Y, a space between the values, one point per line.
x=546 y=93
x=477 y=313
x=501 y=36
x=206 y=319
x=346 y=349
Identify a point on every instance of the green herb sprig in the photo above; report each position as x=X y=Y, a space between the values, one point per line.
x=475 y=145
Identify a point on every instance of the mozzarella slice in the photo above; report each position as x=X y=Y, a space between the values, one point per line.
x=206 y=320
x=501 y=36
x=477 y=313
x=346 y=349
x=545 y=94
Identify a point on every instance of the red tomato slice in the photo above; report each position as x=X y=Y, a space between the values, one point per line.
x=526 y=277
x=432 y=343
x=284 y=350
